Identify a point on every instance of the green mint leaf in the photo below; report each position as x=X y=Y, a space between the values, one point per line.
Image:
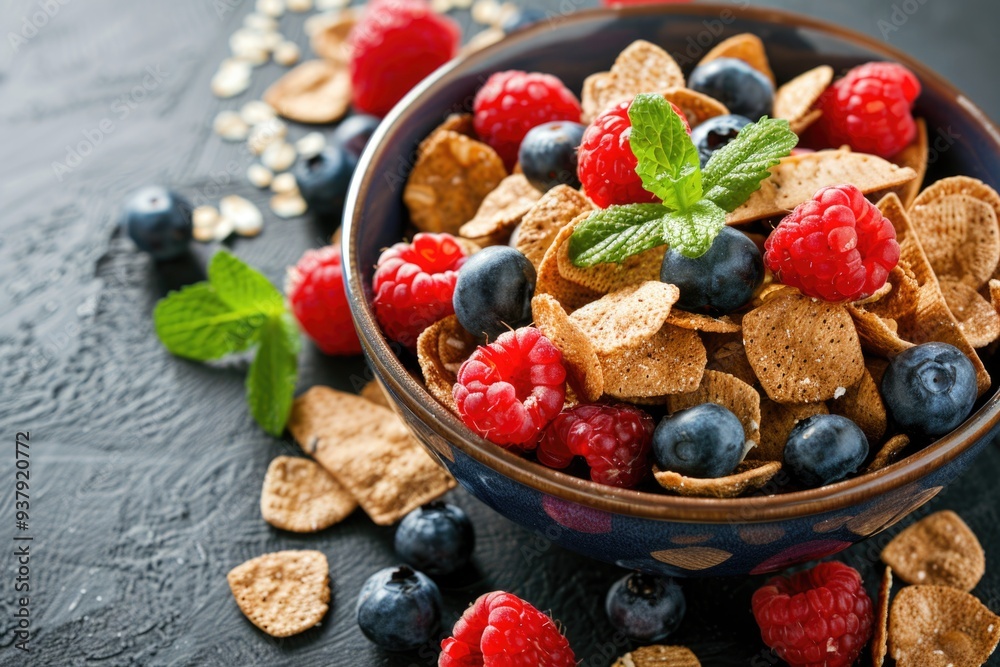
x=735 y=171
x=273 y=373
x=692 y=232
x=668 y=161
x=198 y=324
x=243 y=287
x=615 y=233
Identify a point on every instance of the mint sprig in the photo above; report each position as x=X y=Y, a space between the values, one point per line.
x=235 y=309
x=695 y=200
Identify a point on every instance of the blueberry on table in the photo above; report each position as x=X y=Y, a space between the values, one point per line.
x=158 y=221
x=437 y=538
x=493 y=292
x=548 y=154
x=354 y=132
x=522 y=18
x=823 y=449
x=704 y=441
x=743 y=90
x=399 y=609
x=646 y=608
x=715 y=133
x=720 y=281
x=323 y=179
x=929 y=389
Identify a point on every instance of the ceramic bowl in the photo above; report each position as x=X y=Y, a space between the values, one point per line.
x=655 y=532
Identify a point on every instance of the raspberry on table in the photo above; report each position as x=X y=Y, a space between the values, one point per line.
x=395 y=45
x=501 y=630
x=818 y=618
x=414 y=284
x=837 y=246
x=615 y=440
x=509 y=390
x=870 y=109
x=605 y=162
x=316 y=294
x=511 y=103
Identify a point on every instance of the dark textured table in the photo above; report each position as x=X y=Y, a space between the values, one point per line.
x=146 y=469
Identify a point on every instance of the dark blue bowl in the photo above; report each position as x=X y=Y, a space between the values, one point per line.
x=659 y=533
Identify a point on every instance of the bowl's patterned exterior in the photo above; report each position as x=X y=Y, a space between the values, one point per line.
x=734 y=541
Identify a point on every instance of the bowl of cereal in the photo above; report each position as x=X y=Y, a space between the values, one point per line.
x=743 y=321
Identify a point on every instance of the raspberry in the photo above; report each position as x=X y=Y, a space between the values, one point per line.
x=513 y=102
x=614 y=439
x=606 y=164
x=818 y=618
x=315 y=289
x=870 y=109
x=394 y=46
x=502 y=630
x=509 y=390
x=836 y=246
x=414 y=283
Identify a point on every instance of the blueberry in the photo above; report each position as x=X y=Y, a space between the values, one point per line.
x=399 y=609
x=823 y=449
x=158 y=221
x=522 y=18
x=929 y=389
x=493 y=292
x=720 y=281
x=715 y=133
x=323 y=180
x=743 y=90
x=354 y=132
x=436 y=538
x=645 y=607
x=704 y=441
x=548 y=154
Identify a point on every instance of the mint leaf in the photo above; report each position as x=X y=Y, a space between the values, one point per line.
x=243 y=287
x=736 y=170
x=197 y=324
x=273 y=373
x=692 y=232
x=668 y=161
x=616 y=233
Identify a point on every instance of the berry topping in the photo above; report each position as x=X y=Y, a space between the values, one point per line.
x=715 y=133
x=704 y=441
x=494 y=290
x=548 y=154
x=399 y=609
x=510 y=390
x=323 y=180
x=316 y=294
x=395 y=45
x=414 y=284
x=614 y=439
x=501 y=630
x=818 y=618
x=513 y=102
x=606 y=164
x=645 y=607
x=158 y=221
x=870 y=109
x=929 y=389
x=824 y=449
x=743 y=90
x=354 y=132
x=721 y=280
x=437 y=538
x=836 y=247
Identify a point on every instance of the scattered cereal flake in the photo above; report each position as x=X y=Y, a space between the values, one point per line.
x=287 y=54
x=501 y=210
x=889 y=452
x=541 y=224
x=731 y=393
x=288 y=204
x=642 y=67
x=794 y=100
x=327 y=5
x=776 y=423
x=203 y=234
x=284 y=183
x=583 y=368
x=223 y=229
x=939 y=550
x=746 y=47
x=205 y=216
x=935 y=626
x=879 y=641
x=283 y=593
x=626 y=317
x=311 y=145
x=976 y=316
x=863 y=405
x=260 y=22
x=659 y=656
x=438 y=377
x=915 y=157
x=259 y=175
x=696 y=107
x=748 y=477
x=230 y=126
x=375 y=392
x=300 y=496
x=264 y=134
x=244 y=214
x=316 y=91
x=485 y=11
x=299 y=5
x=249 y=45
x=671 y=361
x=232 y=78
x=273 y=8
x=256 y=112
x=960 y=236
x=329 y=37
x=278 y=156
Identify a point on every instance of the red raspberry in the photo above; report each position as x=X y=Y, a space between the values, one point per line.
x=836 y=246
x=870 y=109
x=315 y=289
x=605 y=162
x=502 y=630
x=393 y=47
x=818 y=618
x=414 y=283
x=614 y=439
x=513 y=102
x=509 y=390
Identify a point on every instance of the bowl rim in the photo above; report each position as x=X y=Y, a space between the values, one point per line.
x=416 y=399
